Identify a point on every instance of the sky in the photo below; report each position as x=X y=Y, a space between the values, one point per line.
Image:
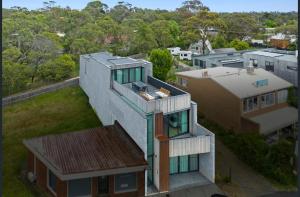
x=214 y=5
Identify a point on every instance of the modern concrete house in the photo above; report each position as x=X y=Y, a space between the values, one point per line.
x=242 y=100
x=284 y=64
x=229 y=58
x=150 y=143
x=159 y=118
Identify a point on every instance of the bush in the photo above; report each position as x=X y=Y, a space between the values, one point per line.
x=162 y=61
x=239 y=45
x=271 y=161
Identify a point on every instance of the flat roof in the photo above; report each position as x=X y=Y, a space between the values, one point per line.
x=109 y=60
x=289 y=58
x=239 y=81
x=96 y=149
x=265 y=53
x=276 y=119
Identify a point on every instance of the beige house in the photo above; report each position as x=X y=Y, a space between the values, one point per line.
x=244 y=100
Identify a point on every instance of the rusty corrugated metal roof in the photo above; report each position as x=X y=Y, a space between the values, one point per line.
x=89 y=150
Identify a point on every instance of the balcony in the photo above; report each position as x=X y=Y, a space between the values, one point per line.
x=176 y=101
x=193 y=143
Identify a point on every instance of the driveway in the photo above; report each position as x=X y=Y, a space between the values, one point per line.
x=245 y=182
x=203 y=191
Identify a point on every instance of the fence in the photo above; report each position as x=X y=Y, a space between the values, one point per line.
x=32 y=93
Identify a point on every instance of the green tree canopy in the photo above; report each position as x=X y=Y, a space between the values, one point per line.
x=162 y=62
x=56 y=70
x=239 y=45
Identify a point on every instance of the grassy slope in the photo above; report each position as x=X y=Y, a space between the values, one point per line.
x=62 y=111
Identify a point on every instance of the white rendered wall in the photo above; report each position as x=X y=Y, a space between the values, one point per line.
x=207 y=161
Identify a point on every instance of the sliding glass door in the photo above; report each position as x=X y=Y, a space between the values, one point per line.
x=182 y=164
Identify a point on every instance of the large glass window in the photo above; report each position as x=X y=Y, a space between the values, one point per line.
x=282 y=96
x=137 y=74
x=125 y=75
x=142 y=74
x=125 y=182
x=119 y=77
x=193 y=163
x=79 y=187
x=182 y=164
x=132 y=75
x=267 y=100
x=150 y=148
x=250 y=104
x=52 y=181
x=176 y=123
x=129 y=75
x=173 y=165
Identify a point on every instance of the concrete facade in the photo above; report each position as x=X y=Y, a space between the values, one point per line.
x=113 y=101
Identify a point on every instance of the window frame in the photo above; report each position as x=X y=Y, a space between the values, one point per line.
x=188 y=163
x=282 y=94
x=91 y=186
x=126 y=190
x=178 y=113
x=247 y=104
x=48 y=182
x=269 y=65
x=264 y=104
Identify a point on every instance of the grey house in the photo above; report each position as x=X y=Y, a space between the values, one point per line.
x=281 y=63
x=226 y=59
x=161 y=119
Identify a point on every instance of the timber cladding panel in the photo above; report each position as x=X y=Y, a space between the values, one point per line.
x=159 y=124
x=215 y=102
x=61 y=188
x=30 y=162
x=41 y=175
x=164 y=164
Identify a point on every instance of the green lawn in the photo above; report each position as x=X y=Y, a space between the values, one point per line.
x=57 y=112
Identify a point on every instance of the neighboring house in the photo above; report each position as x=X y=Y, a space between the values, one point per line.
x=185 y=55
x=174 y=50
x=257 y=43
x=281 y=63
x=87 y=163
x=242 y=100
x=196 y=47
x=227 y=59
x=280 y=41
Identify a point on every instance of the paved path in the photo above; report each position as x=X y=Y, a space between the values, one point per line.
x=199 y=191
x=244 y=180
